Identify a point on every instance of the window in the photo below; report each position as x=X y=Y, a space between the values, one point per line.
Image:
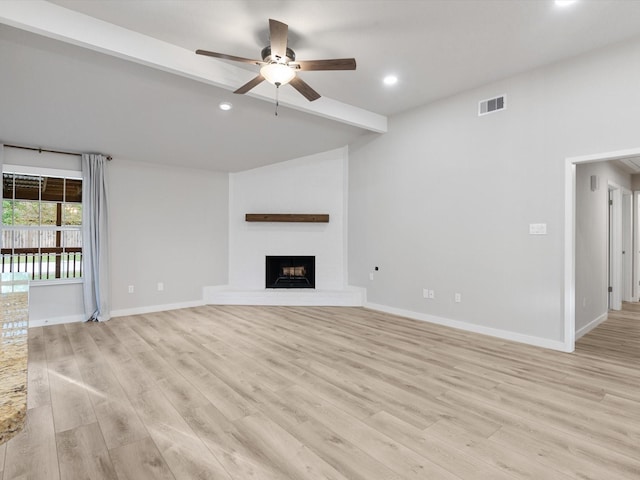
x=42 y=224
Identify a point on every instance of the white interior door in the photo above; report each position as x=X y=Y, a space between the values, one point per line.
x=615 y=247
x=627 y=245
x=636 y=247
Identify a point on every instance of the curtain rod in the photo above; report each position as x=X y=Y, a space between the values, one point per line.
x=40 y=150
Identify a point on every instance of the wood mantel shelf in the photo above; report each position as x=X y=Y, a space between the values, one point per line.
x=287 y=217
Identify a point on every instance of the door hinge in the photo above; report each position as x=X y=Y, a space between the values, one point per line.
x=610 y=202
x=610 y=289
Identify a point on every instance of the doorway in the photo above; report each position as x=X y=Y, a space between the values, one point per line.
x=619 y=269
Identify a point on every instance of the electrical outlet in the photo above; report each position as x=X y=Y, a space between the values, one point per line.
x=160 y=286
x=457 y=297
x=425 y=293
x=131 y=289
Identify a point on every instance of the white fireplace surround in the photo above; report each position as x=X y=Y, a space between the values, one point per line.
x=315 y=184
x=227 y=295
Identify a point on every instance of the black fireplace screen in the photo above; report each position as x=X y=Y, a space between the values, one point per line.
x=290 y=272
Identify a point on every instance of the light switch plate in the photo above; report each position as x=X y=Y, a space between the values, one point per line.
x=537 y=229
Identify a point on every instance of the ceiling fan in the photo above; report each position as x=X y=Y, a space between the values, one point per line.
x=279 y=66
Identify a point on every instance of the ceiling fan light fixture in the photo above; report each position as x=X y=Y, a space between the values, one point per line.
x=277 y=73
x=279 y=64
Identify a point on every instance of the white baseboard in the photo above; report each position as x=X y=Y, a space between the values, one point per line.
x=226 y=295
x=43 y=322
x=116 y=313
x=155 y=308
x=351 y=297
x=591 y=325
x=470 y=327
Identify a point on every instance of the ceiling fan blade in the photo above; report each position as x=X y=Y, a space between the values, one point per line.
x=228 y=57
x=333 y=64
x=250 y=84
x=278 y=37
x=304 y=88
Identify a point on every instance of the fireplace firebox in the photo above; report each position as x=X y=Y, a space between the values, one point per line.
x=290 y=272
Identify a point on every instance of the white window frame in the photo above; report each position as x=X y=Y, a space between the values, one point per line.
x=42 y=172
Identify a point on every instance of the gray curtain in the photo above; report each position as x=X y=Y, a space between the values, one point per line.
x=95 y=238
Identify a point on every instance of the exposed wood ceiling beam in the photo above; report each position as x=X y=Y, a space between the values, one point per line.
x=53 y=21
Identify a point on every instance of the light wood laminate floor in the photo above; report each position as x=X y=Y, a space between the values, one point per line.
x=275 y=393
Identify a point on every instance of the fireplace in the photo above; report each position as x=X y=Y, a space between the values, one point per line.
x=290 y=272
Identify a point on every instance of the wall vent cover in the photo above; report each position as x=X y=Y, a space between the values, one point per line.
x=492 y=105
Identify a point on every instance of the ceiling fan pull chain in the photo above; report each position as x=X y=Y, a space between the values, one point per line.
x=277 y=97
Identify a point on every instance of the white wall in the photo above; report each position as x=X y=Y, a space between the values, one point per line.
x=314 y=184
x=444 y=200
x=168 y=224
x=592 y=233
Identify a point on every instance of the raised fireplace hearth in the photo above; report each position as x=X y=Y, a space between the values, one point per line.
x=290 y=272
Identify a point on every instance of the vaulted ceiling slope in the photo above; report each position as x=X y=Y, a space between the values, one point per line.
x=120 y=76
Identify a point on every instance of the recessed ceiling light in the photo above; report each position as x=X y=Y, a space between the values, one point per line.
x=225 y=106
x=390 y=80
x=565 y=3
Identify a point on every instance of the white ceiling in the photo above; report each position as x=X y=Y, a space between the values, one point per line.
x=630 y=165
x=59 y=95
